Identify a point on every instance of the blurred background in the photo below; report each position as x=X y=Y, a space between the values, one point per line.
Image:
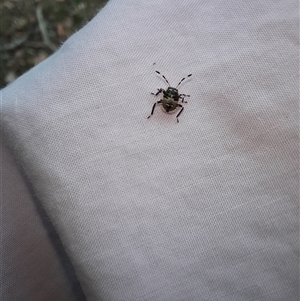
x=31 y=30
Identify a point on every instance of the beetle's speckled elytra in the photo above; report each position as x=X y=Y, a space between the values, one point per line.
x=171 y=97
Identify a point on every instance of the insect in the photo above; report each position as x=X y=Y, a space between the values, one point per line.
x=171 y=97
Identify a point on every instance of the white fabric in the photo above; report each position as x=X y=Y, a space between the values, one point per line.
x=148 y=209
x=31 y=268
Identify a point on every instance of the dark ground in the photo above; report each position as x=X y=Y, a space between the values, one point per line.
x=30 y=30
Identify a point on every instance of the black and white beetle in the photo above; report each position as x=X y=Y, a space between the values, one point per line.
x=170 y=98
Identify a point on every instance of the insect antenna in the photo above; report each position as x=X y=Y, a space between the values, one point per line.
x=163 y=77
x=183 y=80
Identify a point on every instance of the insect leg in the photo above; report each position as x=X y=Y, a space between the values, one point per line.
x=179 y=111
x=182 y=96
x=159 y=91
x=154 y=108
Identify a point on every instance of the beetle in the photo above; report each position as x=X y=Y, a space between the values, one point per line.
x=171 y=97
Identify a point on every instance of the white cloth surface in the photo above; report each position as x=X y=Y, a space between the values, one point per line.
x=31 y=268
x=151 y=209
